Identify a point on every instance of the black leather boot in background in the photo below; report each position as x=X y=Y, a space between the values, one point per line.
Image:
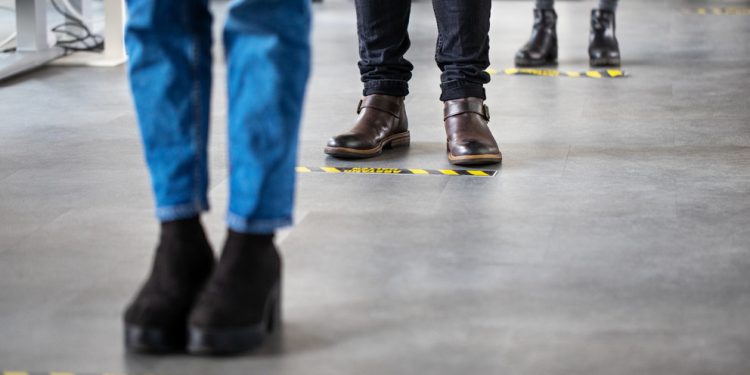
x=241 y=303
x=156 y=320
x=541 y=49
x=603 y=47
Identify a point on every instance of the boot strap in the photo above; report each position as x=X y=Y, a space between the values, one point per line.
x=467 y=107
x=380 y=104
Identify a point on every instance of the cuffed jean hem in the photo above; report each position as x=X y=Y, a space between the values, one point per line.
x=256 y=226
x=459 y=90
x=386 y=87
x=181 y=211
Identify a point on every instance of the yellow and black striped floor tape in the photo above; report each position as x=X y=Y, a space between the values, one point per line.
x=399 y=171
x=608 y=73
x=719 y=11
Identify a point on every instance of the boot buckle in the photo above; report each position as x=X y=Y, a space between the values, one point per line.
x=359 y=106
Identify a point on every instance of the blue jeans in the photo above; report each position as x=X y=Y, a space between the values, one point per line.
x=268 y=59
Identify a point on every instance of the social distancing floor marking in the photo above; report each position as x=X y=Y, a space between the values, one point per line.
x=719 y=11
x=604 y=73
x=399 y=171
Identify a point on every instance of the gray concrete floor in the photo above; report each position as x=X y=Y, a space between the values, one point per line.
x=615 y=238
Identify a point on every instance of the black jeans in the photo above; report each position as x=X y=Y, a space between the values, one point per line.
x=462 y=52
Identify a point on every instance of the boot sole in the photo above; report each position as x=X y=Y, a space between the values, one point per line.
x=150 y=340
x=234 y=341
x=604 y=62
x=536 y=63
x=475 y=159
x=392 y=141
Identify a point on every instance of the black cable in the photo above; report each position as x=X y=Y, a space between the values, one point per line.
x=75 y=37
x=82 y=36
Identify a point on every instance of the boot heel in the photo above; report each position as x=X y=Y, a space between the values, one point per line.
x=401 y=141
x=232 y=341
x=273 y=319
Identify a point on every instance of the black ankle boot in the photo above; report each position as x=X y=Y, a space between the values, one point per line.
x=603 y=47
x=156 y=320
x=241 y=303
x=541 y=49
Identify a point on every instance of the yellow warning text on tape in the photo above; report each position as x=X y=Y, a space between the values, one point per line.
x=532 y=72
x=608 y=73
x=719 y=11
x=398 y=171
x=368 y=170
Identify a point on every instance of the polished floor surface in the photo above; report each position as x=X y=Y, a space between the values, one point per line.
x=614 y=239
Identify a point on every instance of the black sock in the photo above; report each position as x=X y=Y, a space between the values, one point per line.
x=247 y=242
x=181 y=226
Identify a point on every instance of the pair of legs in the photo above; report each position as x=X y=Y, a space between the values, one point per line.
x=462 y=51
x=541 y=49
x=229 y=307
x=462 y=54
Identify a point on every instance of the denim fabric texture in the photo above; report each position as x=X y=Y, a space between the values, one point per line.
x=267 y=49
x=462 y=51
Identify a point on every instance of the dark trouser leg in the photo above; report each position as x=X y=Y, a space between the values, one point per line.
x=545 y=4
x=609 y=5
x=463 y=47
x=383 y=40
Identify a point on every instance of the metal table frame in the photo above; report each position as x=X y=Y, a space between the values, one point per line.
x=35 y=46
x=32 y=45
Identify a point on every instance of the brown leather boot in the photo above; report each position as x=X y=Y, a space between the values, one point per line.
x=470 y=140
x=382 y=123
